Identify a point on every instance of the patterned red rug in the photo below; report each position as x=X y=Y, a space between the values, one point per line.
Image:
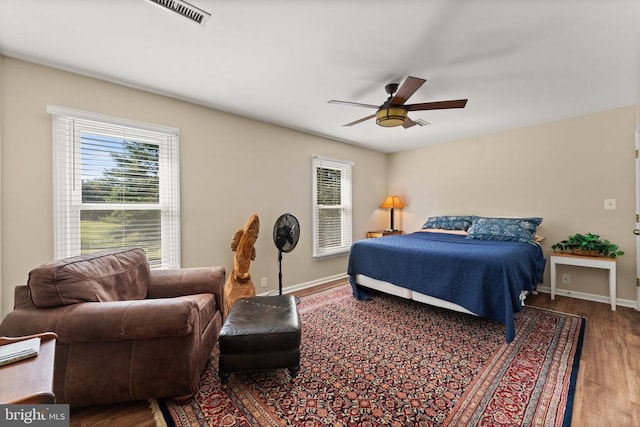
x=394 y=362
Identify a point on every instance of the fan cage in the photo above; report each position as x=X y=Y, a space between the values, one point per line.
x=286 y=232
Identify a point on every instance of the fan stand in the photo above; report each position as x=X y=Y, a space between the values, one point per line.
x=280 y=276
x=279 y=272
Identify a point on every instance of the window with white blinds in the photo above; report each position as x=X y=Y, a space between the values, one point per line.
x=332 y=211
x=116 y=185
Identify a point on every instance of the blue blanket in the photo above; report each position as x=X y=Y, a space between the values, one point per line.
x=483 y=276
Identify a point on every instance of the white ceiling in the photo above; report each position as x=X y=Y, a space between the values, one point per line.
x=519 y=62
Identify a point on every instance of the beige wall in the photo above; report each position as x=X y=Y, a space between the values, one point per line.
x=231 y=167
x=561 y=171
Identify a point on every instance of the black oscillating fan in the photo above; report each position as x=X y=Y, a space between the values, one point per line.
x=286 y=232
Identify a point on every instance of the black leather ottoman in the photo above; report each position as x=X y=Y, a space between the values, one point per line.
x=260 y=333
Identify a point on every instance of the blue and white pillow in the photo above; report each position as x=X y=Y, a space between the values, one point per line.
x=505 y=229
x=449 y=222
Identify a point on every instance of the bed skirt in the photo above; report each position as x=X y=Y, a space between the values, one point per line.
x=390 y=288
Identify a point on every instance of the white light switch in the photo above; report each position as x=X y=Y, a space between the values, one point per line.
x=609 y=203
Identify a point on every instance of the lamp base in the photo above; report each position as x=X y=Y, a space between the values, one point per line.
x=391 y=222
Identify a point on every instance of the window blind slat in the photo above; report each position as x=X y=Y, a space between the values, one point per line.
x=116 y=186
x=332 y=211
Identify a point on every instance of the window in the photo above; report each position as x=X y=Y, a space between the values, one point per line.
x=332 y=210
x=115 y=185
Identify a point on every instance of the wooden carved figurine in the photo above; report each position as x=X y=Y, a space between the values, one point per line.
x=239 y=284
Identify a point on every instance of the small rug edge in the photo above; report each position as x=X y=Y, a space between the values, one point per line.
x=568 y=412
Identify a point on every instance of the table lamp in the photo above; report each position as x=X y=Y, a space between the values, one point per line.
x=392 y=202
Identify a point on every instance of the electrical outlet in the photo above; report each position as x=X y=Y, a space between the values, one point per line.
x=609 y=204
x=263 y=282
x=566 y=278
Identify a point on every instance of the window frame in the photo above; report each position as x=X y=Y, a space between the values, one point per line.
x=345 y=206
x=67 y=130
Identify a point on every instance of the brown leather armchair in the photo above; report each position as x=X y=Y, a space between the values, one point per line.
x=125 y=332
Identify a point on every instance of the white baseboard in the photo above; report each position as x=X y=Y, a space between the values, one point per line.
x=305 y=285
x=589 y=297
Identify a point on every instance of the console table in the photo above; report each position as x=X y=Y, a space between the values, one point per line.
x=585 y=261
x=29 y=381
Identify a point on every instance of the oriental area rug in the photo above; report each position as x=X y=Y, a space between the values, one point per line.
x=395 y=362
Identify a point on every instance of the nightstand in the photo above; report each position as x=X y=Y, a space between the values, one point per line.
x=382 y=233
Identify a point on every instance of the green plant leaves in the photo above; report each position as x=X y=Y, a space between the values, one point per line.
x=588 y=242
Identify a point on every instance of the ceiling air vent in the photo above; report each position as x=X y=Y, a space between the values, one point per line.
x=184 y=9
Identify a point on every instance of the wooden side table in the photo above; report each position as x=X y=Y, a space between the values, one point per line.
x=29 y=381
x=585 y=261
x=382 y=233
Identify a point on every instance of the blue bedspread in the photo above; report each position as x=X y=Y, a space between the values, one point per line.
x=483 y=276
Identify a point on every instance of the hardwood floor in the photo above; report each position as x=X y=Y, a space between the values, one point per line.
x=608 y=386
x=607 y=390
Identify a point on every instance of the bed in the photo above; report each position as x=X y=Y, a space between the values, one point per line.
x=480 y=275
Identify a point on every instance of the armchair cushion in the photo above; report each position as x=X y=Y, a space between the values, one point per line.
x=112 y=275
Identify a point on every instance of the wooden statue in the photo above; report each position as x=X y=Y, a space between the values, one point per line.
x=239 y=282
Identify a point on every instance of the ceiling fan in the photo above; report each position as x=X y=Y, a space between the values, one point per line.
x=393 y=112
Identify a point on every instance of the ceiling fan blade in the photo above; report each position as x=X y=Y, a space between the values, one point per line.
x=354 y=104
x=408 y=123
x=408 y=88
x=438 y=105
x=360 y=120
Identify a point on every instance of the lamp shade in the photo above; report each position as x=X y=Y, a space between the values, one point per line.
x=392 y=202
x=391 y=116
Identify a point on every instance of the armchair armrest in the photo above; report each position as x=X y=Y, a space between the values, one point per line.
x=111 y=320
x=187 y=281
x=125 y=320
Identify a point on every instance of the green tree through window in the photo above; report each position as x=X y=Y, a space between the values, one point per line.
x=116 y=185
x=133 y=179
x=120 y=172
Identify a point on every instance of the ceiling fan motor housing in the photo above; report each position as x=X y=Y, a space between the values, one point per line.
x=391 y=88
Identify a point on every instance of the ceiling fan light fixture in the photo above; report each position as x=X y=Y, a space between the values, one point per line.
x=391 y=116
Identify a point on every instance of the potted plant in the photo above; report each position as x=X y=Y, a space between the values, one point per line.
x=588 y=244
